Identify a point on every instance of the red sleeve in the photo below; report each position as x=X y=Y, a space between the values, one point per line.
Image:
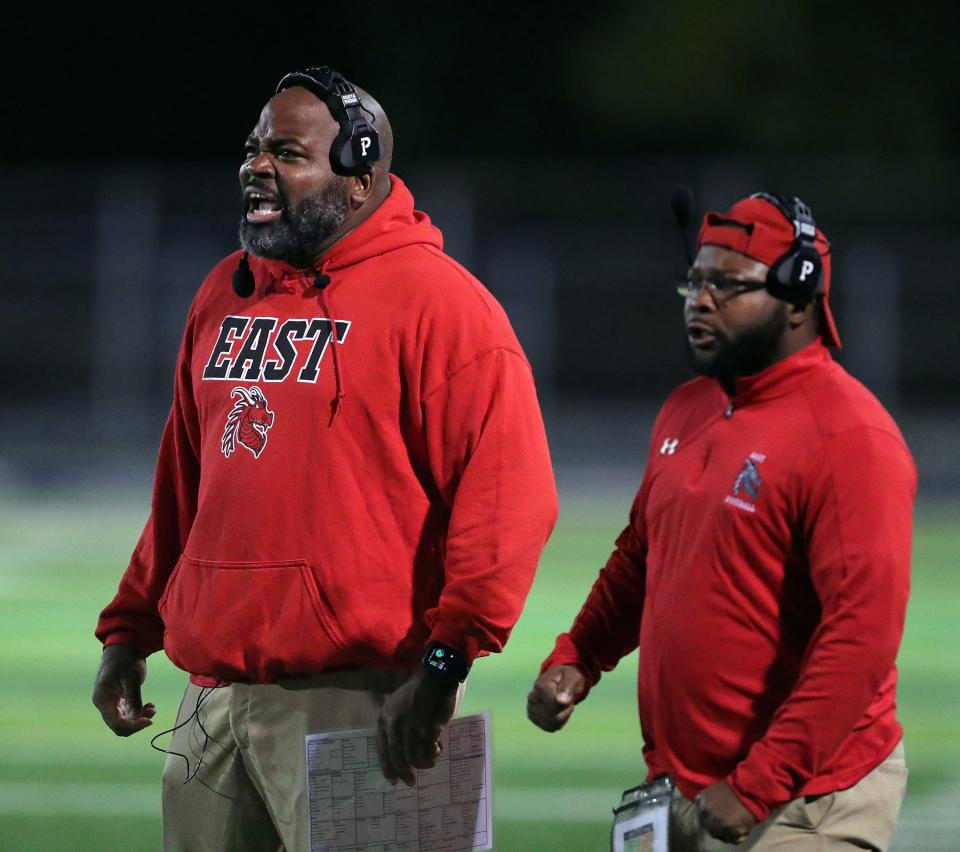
x=488 y=454
x=858 y=524
x=132 y=617
x=608 y=626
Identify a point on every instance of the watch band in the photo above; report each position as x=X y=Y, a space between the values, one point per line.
x=444 y=661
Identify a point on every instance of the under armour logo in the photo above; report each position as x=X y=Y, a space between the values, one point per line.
x=806 y=267
x=669 y=446
x=365 y=143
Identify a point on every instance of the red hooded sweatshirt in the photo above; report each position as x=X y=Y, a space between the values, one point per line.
x=764 y=574
x=336 y=500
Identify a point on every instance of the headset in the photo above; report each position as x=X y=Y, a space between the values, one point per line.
x=799 y=272
x=357 y=145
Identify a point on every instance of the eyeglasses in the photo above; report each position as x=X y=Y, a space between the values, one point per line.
x=720 y=288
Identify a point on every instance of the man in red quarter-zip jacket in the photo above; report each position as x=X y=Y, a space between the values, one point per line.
x=352 y=492
x=764 y=572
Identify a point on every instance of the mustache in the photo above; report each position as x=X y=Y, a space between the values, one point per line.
x=721 y=336
x=276 y=190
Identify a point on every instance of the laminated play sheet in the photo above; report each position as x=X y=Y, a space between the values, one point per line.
x=353 y=807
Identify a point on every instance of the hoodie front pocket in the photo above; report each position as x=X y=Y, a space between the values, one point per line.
x=247 y=620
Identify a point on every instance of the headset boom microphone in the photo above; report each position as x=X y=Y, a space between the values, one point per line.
x=681 y=203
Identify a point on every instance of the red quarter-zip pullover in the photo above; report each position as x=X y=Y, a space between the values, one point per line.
x=347 y=472
x=764 y=574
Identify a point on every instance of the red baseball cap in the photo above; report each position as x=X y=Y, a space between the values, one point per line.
x=757 y=228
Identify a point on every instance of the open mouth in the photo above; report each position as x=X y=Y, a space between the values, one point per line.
x=701 y=336
x=262 y=208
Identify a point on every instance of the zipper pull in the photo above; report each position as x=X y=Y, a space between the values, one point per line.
x=729 y=412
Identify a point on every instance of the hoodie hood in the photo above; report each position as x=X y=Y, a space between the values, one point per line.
x=394 y=224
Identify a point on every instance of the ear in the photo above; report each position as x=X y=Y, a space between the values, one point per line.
x=799 y=314
x=360 y=188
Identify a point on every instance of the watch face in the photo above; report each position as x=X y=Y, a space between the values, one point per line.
x=437 y=659
x=445 y=661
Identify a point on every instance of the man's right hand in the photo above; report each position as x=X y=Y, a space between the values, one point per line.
x=553 y=696
x=116 y=691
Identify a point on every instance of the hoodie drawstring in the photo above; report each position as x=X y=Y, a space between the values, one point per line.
x=321 y=282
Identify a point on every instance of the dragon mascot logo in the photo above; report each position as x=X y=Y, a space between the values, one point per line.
x=248 y=422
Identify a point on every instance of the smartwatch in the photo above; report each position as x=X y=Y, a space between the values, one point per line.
x=443 y=661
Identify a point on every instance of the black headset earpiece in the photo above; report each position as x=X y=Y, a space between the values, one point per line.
x=800 y=270
x=357 y=145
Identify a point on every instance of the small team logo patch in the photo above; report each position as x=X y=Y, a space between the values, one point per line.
x=247 y=423
x=747 y=484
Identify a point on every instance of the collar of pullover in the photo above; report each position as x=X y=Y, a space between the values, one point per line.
x=394 y=224
x=780 y=378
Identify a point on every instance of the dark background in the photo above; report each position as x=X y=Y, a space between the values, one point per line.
x=544 y=141
x=479 y=81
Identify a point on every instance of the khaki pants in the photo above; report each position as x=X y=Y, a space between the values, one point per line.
x=250 y=792
x=863 y=816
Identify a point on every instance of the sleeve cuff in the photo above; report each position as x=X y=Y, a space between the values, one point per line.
x=467 y=644
x=125 y=637
x=567 y=653
x=760 y=810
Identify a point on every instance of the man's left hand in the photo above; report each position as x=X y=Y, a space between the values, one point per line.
x=723 y=815
x=410 y=723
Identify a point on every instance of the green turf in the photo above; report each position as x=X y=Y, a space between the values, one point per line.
x=66 y=783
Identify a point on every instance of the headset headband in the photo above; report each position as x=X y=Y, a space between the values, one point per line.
x=357 y=145
x=800 y=270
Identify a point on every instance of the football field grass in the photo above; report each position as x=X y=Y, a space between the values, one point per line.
x=66 y=783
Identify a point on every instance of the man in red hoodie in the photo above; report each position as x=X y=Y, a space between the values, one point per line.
x=764 y=572
x=352 y=492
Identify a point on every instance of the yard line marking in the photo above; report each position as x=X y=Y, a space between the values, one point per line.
x=527 y=804
x=929 y=822
x=38 y=798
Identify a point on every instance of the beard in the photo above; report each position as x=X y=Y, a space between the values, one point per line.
x=744 y=355
x=296 y=237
